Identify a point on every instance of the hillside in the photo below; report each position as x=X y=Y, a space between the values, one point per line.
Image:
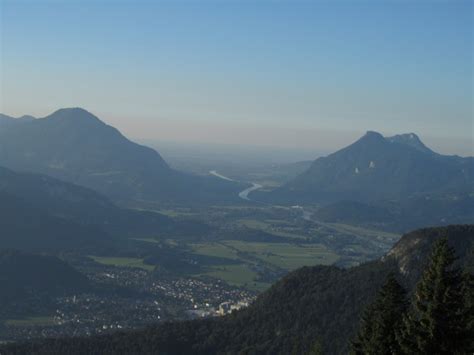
x=75 y=146
x=403 y=215
x=375 y=168
x=25 y=275
x=313 y=304
x=60 y=203
x=42 y=231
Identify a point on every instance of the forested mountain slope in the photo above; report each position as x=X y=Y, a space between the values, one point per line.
x=24 y=275
x=74 y=145
x=39 y=208
x=312 y=305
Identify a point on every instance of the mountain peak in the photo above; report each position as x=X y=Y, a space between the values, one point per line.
x=73 y=114
x=410 y=139
x=8 y=120
x=371 y=137
x=373 y=134
x=70 y=110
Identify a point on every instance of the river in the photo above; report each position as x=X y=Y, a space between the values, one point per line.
x=244 y=194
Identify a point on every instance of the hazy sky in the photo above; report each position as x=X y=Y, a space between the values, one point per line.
x=287 y=73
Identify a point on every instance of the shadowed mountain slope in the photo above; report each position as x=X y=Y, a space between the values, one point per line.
x=313 y=304
x=74 y=145
x=24 y=274
x=375 y=168
x=40 y=212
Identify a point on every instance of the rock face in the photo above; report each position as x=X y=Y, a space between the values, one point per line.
x=75 y=146
x=411 y=251
x=411 y=140
x=376 y=168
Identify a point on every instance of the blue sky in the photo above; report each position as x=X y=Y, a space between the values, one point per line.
x=285 y=73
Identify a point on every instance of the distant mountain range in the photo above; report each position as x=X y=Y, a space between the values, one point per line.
x=320 y=304
x=75 y=146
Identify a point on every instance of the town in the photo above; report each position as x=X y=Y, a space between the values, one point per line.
x=127 y=298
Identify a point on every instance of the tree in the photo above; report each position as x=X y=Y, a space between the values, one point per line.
x=316 y=348
x=381 y=321
x=438 y=322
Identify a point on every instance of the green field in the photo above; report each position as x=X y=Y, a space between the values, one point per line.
x=176 y=212
x=363 y=231
x=214 y=249
x=237 y=275
x=148 y=240
x=270 y=228
x=282 y=255
x=30 y=321
x=122 y=262
x=287 y=256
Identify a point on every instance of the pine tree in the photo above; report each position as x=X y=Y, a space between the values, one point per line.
x=316 y=348
x=381 y=320
x=439 y=318
x=468 y=293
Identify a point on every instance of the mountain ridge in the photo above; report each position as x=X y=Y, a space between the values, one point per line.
x=76 y=146
x=64 y=205
x=377 y=168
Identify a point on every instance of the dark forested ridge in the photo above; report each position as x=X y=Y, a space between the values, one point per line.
x=75 y=146
x=28 y=228
x=311 y=306
x=64 y=215
x=402 y=215
x=24 y=275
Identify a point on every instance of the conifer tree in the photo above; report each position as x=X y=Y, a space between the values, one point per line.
x=316 y=348
x=381 y=321
x=439 y=318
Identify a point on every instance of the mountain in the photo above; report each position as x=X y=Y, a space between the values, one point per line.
x=10 y=121
x=375 y=168
x=394 y=183
x=74 y=145
x=411 y=140
x=28 y=228
x=402 y=215
x=320 y=304
x=24 y=275
x=62 y=214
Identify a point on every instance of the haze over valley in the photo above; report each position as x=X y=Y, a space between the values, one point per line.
x=236 y=177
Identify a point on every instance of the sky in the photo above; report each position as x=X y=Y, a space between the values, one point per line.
x=307 y=74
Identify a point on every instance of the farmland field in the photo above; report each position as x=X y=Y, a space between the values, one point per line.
x=30 y=321
x=122 y=262
x=238 y=275
x=287 y=256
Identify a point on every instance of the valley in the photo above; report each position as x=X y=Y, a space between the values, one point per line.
x=236 y=177
x=153 y=278
x=218 y=243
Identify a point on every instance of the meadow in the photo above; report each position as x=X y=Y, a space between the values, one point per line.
x=122 y=262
